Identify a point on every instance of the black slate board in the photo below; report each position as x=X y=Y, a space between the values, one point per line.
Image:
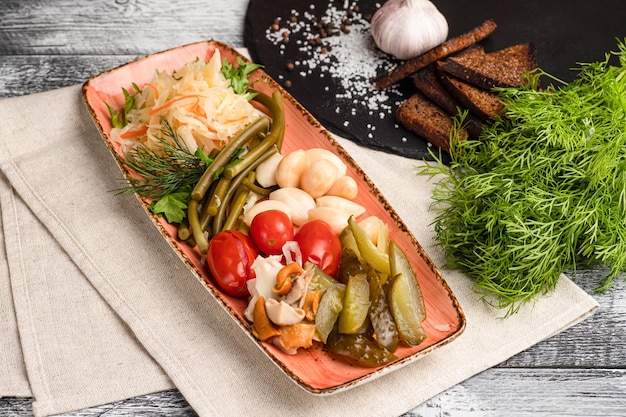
x=337 y=87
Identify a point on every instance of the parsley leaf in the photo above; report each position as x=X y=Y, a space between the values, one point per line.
x=238 y=75
x=129 y=103
x=172 y=206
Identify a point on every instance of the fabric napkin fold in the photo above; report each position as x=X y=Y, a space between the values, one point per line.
x=100 y=308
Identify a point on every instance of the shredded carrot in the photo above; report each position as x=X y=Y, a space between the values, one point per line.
x=198 y=109
x=237 y=119
x=202 y=119
x=134 y=133
x=156 y=91
x=169 y=103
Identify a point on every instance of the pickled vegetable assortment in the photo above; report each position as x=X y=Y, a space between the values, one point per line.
x=283 y=231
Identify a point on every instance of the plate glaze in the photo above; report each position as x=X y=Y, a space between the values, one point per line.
x=313 y=369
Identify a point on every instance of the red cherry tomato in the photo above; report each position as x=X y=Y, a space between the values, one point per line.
x=320 y=245
x=270 y=230
x=229 y=257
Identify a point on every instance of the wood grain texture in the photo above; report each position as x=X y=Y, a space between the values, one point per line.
x=496 y=392
x=126 y=27
x=47 y=44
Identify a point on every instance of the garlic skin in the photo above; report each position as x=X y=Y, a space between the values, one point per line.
x=349 y=206
x=336 y=218
x=408 y=28
x=299 y=201
x=345 y=187
x=266 y=171
x=265 y=205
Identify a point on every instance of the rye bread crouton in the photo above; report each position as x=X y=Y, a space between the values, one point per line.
x=428 y=83
x=482 y=103
x=502 y=68
x=420 y=115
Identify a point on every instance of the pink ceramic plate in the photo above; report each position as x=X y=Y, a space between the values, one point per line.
x=312 y=369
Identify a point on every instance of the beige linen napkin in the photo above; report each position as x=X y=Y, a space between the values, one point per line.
x=13 y=380
x=57 y=164
x=73 y=343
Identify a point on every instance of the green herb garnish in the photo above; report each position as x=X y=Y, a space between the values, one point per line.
x=543 y=190
x=172 y=205
x=165 y=170
x=238 y=75
x=117 y=118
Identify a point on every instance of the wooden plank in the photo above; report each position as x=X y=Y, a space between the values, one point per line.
x=161 y=404
x=520 y=393
x=126 y=27
x=597 y=342
x=496 y=392
x=21 y=75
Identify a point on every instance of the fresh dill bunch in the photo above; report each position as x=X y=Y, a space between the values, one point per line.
x=165 y=170
x=542 y=191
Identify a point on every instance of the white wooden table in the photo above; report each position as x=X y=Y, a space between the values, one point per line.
x=47 y=44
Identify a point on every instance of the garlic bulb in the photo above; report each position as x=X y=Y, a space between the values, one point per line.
x=408 y=28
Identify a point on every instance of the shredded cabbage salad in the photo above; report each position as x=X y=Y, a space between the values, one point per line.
x=196 y=101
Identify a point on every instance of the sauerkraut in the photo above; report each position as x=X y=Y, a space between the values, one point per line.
x=196 y=101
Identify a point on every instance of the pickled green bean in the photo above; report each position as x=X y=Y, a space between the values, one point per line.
x=191 y=241
x=183 y=231
x=236 y=207
x=218 y=220
x=205 y=217
x=225 y=154
x=250 y=185
x=274 y=105
x=213 y=153
x=196 y=228
x=218 y=195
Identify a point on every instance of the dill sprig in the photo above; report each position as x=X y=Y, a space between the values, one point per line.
x=542 y=191
x=164 y=170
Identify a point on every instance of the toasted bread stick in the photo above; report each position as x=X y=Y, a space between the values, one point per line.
x=441 y=51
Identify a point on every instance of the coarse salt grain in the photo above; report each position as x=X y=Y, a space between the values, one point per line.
x=350 y=58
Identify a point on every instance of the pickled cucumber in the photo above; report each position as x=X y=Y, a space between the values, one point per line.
x=320 y=280
x=383 y=324
x=372 y=255
x=350 y=266
x=328 y=311
x=364 y=351
x=346 y=237
x=400 y=264
x=356 y=304
x=406 y=309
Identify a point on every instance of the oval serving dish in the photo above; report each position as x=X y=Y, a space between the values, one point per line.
x=313 y=369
